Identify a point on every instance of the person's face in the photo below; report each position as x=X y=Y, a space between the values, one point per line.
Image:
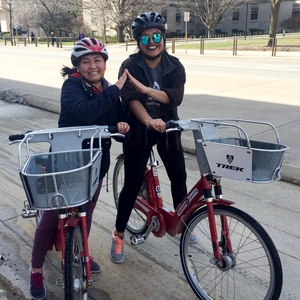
x=92 y=67
x=151 y=41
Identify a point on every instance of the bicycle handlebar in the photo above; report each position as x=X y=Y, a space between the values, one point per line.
x=172 y=126
x=15 y=138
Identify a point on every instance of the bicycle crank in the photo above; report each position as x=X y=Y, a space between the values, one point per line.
x=137 y=240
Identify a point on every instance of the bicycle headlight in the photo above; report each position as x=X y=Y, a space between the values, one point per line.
x=58 y=200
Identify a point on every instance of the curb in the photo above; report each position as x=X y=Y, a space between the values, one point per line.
x=3 y=295
x=291 y=174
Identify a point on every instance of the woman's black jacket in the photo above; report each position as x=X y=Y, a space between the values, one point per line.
x=81 y=105
x=173 y=78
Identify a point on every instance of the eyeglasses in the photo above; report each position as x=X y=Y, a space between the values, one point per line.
x=145 y=39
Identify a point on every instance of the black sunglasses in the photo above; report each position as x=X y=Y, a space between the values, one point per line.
x=145 y=39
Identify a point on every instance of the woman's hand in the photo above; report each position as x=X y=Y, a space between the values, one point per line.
x=122 y=79
x=158 y=95
x=136 y=84
x=157 y=124
x=123 y=127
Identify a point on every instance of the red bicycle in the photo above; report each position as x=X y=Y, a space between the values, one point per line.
x=64 y=179
x=225 y=253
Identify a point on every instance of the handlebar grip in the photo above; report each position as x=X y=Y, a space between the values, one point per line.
x=172 y=124
x=18 y=137
x=113 y=129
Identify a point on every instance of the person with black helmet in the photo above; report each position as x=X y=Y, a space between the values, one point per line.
x=150 y=97
x=86 y=99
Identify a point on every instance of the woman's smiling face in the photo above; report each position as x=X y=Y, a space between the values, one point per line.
x=92 y=67
x=153 y=48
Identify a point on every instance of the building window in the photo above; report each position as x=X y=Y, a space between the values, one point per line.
x=235 y=16
x=296 y=10
x=178 y=17
x=254 y=13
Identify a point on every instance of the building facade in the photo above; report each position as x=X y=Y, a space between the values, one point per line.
x=251 y=18
x=4 y=18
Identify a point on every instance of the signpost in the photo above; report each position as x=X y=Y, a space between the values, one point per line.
x=186 y=19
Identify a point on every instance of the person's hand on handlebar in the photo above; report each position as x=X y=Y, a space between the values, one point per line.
x=157 y=124
x=123 y=127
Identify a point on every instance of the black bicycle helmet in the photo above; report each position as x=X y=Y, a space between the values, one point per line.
x=87 y=46
x=148 y=20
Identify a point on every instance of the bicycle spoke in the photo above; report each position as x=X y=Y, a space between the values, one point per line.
x=251 y=271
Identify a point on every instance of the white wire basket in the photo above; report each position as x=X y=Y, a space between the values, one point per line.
x=61 y=179
x=66 y=175
x=224 y=149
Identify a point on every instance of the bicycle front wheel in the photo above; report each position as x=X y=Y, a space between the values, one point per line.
x=251 y=271
x=74 y=267
x=137 y=223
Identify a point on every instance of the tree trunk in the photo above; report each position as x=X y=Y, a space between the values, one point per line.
x=275 y=5
x=121 y=34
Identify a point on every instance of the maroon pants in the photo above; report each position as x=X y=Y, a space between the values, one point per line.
x=46 y=230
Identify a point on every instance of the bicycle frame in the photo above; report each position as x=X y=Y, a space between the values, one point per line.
x=173 y=222
x=71 y=218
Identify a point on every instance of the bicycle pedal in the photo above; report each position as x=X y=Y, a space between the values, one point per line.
x=59 y=282
x=92 y=278
x=27 y=213
x=136 y=240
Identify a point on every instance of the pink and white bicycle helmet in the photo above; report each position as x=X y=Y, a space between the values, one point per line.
x=87 y=46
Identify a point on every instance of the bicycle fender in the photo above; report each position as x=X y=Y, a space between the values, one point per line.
x=224 y=202
x=71 y=222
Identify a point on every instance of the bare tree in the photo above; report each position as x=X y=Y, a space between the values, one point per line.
x=292 y=23
x=26 y=15
x=119 y=14
x=9 y=8
x=58 y=15
x=210 y=12
x=275 y=5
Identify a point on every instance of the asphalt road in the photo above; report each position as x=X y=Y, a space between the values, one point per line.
x=153 y=270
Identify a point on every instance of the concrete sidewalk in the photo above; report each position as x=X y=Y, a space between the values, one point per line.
x=290 y=167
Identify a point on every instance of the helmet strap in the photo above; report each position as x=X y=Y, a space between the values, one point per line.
x=152 y=57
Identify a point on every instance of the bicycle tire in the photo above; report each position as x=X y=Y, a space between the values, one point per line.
x=137 y=223
x=256 y=271
x=75 y=284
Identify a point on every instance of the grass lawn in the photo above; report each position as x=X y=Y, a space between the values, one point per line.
x=227 y=43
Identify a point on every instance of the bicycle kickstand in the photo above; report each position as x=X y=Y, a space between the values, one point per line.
x=137 y=240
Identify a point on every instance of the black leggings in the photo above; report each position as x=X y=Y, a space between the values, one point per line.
x=135 y=161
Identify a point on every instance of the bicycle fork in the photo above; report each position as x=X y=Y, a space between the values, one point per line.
x=72 y=220
x=223 y=260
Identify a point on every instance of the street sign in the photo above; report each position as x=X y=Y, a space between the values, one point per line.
x=186 y=16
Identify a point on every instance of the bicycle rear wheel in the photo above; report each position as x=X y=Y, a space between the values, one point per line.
x=74 y=268
x=137 y=223
x=252 y=271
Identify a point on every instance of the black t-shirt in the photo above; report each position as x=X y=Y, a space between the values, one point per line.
x=154 y=108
